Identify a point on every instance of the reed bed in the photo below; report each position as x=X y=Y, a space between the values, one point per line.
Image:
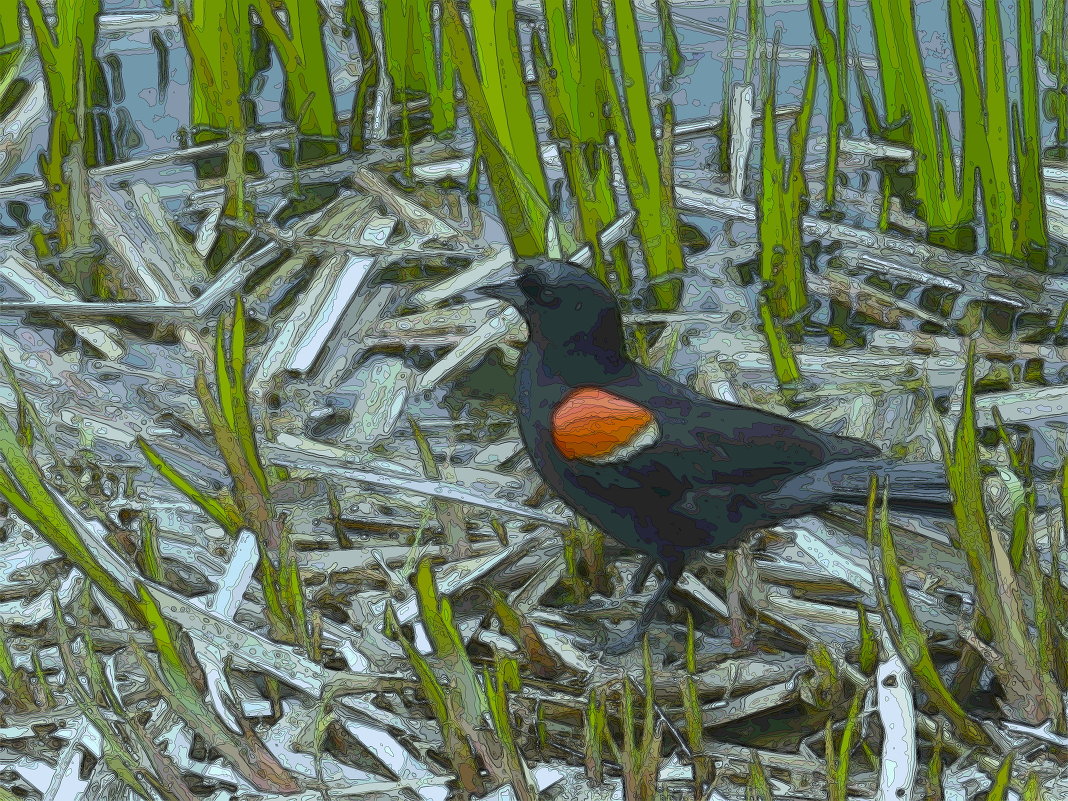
x=315 y=540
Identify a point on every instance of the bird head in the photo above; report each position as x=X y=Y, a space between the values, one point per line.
x=563 y=304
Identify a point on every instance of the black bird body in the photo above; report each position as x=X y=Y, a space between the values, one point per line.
x=701 y=473
x=699 y=485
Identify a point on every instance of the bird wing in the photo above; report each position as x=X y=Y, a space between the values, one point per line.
x=728 y=441
x=657 y=444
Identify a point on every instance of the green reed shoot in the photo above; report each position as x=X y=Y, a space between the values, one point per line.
x=595 y=734
x=673 y=58
x=584 y=556
x=757 y=787
x=781 y=202
x=640 y=756
x=756 y=43
x=945 y=199
x=639 y=752
x=218 y=36
x=1048 y=597
x=1001 y=134
x=703 y=766
x=488 y=61
x=934 y=766
x=783 y=359
x=646 y=168
x=250 y=504
x=462 y=704
x=416 y=67
x=574 y=86
x=13 y=54
x=999 y=788
x=1032 y=789
x=449 y=514
x=908 y=636
x=177 y=680
x=838 y=760
x=542 y=661
x=73 y=82
x=833 y=55
x=128 y=749
x=354 y=16
x=723 y=129
x=46 y=697
x=1054 y=52
x=15 y=680
x=1030 y=691
x=307 y=100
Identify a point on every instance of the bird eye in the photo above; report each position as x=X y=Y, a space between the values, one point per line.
x=530 y=285
x=546 y=297
x=534 y=289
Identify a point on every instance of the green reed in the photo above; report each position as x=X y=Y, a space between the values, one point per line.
x=781 y=202
x=575 y=87
x=488 y=59
x=307 y=100
x=1001 y=133
x=415 y=66
x=833 y=55
x=945 y=199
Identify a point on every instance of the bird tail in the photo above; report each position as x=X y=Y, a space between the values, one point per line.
x=916 y=486
x=911 y=486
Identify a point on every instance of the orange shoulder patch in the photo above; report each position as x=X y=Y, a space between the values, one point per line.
x=592 y=423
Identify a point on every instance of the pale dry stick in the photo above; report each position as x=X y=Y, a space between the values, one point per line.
x=315 y=315
x=299 y=453
x=743 y=117
x=44 y=290
x=897 y=715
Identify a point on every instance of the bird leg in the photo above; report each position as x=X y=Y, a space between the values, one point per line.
x=634 y=587
x=672 y=574
x=637 y=582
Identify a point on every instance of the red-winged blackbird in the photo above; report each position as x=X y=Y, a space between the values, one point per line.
x=654 y=464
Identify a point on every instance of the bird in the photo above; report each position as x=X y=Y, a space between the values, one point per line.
x=651 y=462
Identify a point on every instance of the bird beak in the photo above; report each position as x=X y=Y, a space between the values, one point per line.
x=508 y=292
